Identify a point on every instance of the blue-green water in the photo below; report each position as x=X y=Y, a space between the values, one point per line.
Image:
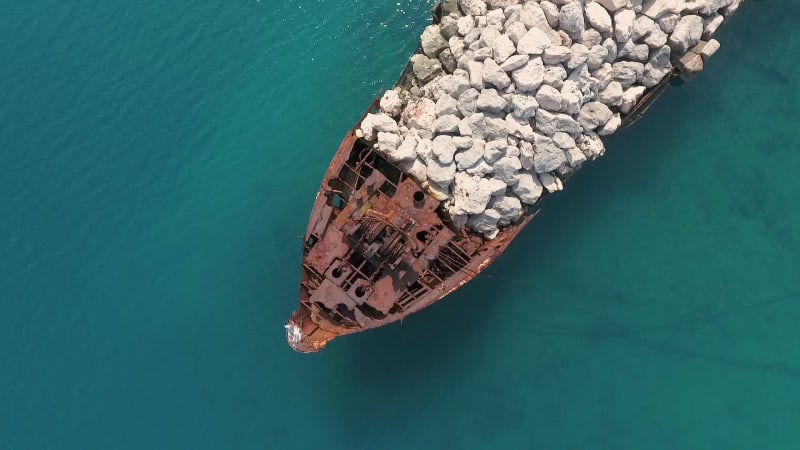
x=157 y=164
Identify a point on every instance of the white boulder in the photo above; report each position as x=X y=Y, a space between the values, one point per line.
x=528 y=188
x=598 y=18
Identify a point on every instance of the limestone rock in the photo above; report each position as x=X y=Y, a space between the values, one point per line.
x=444 y=149
x=391 y=103
x=494 y=150
x=524 y=106
x=709 y=49
x=591 y=37
x=591 y=145
x=404 y=152
x=611 y=126
x=475 y=70
x=571 y=97
x=575 y=157
x=495 y=17
x=659 y=8
x=465 y=24
x=563 y=141
x=547 y=155
x=529 y=77
x=534 y=42
x=456 y=83
x=549 y=98
x=563 y=38
x=550 y=182
x=449 y=25
x=436 y=191
x=584 y=83
x=687 y=34
x=630 y=97
x=556 y=54
x=481 y=169
x=473 y=7
x=635 y=52
x=481 y=53
x=470 y=195
x=667 y=23
x=494 y=127
x=374 y=123
x=456 y=46
x=472 y=37
x=551 y=13
x=425 y=150
x=528 y=188
x=532 y=16
x=424 y=68
x=485 y=222
x=416 y=169
x=598 y=18
x=388 y=142
x=730 y=9
x=488 y=36
x=611 y=95
x=447 y=124
x=502 y=49
x=507 y=169
x=463 y=142
x=420 y=114
x=510 y=208
x=448 y=61
x=627 y=72
x=516 y=31
x=571 y=19
x=579 y=55
x=596 y=57
x=432 y=41
x=653 y=75
x=526 y=153
x=611 y=46
x=489 y=100
x=554 y=75
x=441 y=173
x=690 y=65
x=548 y=123
x=495 y=76
x=612 y=5
x=518 y=128
x=593 y=115
x=514 y=62
x=623 y=24
x=467 y=102
x=656 y=38
x=642 y=26
x=711 y=25
x=604 y=75
x=446 y=105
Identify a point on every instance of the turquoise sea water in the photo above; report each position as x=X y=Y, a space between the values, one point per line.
x=157 y=164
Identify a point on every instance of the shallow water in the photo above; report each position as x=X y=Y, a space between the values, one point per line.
x=157 y=165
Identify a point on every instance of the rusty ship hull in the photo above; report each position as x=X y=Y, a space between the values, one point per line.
x=378 y=247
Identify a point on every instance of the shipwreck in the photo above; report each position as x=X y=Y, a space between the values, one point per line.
x=383 y=241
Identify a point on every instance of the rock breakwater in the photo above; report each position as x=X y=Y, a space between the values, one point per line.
x=508 y=97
